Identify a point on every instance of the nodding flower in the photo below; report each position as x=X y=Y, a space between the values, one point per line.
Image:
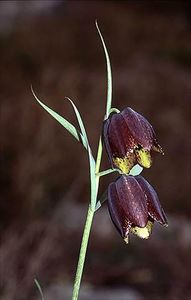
x=134 y=206
x=129 y=138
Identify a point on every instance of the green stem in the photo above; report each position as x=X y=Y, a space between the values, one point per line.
x=94 y=185
x=82 y=255
x=106 y=172
x=115 y=110
x=87 y=229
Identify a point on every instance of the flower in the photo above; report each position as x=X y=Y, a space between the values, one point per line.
x=129 y=138
x=134 y=206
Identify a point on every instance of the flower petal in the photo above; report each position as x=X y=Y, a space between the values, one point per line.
x=156 y=147
x=127 y=204
x=120 y=138
x=117 y=212
x=119 y=143
x=106 y=141
x=143 y=157
x=140 y=128
x=154 y=207
x=128 y=138
x=126 y=163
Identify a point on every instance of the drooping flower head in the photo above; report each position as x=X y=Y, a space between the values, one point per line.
x=128 y=139
x=134 y=206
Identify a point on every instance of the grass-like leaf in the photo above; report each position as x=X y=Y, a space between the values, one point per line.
x=80 y=122
x=39 y=288
x=109 y=74
x=92 y=179
x=90 y=155
x=65 y=123
x=80 y=136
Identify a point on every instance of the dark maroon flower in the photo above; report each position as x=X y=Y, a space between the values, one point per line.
x=134 y=206
x=129 y=138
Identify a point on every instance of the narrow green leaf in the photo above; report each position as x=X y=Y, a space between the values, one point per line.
x=109 y=74
x=65 y=123
x=92 y=179
x=90 y=155
x=136 y=170
x=80 y=122
x=39 y=288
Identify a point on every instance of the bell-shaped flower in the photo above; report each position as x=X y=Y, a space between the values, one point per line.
x=134 y=206
x=129 y=138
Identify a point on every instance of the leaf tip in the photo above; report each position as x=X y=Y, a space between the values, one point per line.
x=96 y=23
x=34 y=95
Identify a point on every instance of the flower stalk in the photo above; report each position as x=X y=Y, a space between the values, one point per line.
x=87 y=228
x=82 y=255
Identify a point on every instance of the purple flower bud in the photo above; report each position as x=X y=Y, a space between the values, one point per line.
x=134 y=206
x=128 y=139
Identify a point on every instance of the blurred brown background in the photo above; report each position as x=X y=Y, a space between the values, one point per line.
x=44 y=174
